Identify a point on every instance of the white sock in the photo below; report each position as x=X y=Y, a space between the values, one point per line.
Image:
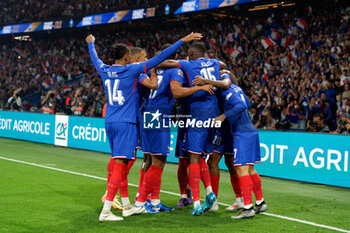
x=155 y=201
x=208 y=190
x=196 y=203
x=239 y=200
x=248 y=206
x=137 y=194
x=260 y=201
x=125 y=201
x=107 y=206
x=137 y=203
x=184 y=196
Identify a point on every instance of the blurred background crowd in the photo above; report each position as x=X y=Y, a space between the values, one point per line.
x=294 y=67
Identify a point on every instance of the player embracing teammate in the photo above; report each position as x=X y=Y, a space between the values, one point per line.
x=120 y=81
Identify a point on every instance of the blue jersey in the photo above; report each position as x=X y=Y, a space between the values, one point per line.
x=236 y=106
x=162 y=98
x=209 y=69
x=120 y=83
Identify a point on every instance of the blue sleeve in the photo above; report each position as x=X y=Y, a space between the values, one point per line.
x=94 y=58
x=142 y=77
x=162 y=56
x=225 y=76
x=235 y=111
x=178 y=75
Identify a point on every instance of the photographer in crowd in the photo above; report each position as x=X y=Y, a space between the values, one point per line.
x=266 y=121
x=15 y=101
x=48 y=103
x=317 y=124
x=343 y=125
x=77 y=104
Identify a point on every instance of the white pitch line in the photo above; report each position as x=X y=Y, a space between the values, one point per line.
x=176 y=194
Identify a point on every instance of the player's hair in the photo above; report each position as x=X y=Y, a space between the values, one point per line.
x=199 y=47
x=136 y=51
x=167 y=46
x=119 y=51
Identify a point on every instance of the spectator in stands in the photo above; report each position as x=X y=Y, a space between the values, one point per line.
x=346 y=93
x=317 y=124
x=344 y=77
x=15 y=102
x=97 y=106
x=78 y=104
x=48 y=103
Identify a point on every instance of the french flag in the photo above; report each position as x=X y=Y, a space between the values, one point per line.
x=63 y=69
x=274 y=34
x=45 y=70
x=17 y=50
x=66 y=88
x=267 y=42
x=301 y=23
x=285 y=42
x=234 y=53
x=229 y=37
x=45 y=85
x=213 y=42
x=37 y=77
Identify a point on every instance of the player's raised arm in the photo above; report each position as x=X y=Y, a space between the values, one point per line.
x=222 y=84
x=90 y=39
x=181 y=92
x=145 y=66
x=151 y=83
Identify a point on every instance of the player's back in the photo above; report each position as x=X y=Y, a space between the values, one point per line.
x=208 y=69
x=235 y=96
x=162 y=98
x=122 y=95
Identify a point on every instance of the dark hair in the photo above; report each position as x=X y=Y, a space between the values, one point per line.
x=119 y=51
x=136 y=50
x=167 y=46
x=199 y=47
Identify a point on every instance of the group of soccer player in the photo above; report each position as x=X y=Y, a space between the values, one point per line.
x=206 y=91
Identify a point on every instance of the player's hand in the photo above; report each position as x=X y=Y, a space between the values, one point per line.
x=200 y=81
x=90 y=38
x=192 y=36
x=208 y=88
x=220 y=118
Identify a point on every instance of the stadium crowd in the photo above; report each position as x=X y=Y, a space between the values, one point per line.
x=293 y=67
x=11 y=12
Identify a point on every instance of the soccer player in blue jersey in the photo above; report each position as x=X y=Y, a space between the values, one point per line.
x=120 y=81
x=137 y=55
x=246 y=148
x=156 y=130
x=223 y=146
x=203 y=107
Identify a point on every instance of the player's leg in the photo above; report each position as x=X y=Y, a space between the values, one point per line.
x=246 y=186
x=235 y=184
x=194 y=179
x=205 y=175
x=118 y=132
x=144 y=167
x=182 y=177
x=151 y=180
x=214 y=170
x=260 y=205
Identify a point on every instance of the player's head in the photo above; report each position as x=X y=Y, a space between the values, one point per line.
x=121 y=53
x=196 y=51
x=174 y=55
x=138 y=55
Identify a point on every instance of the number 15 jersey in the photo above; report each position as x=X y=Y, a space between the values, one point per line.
x=202 y=102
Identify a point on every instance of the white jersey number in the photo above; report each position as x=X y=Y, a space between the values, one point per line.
x=207 y=73
x=116 y=95
x=154 y=92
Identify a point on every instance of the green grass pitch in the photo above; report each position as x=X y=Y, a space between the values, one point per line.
x=37 y=199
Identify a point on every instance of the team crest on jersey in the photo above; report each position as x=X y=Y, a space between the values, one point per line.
x=160 y=71
x=179 y=72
